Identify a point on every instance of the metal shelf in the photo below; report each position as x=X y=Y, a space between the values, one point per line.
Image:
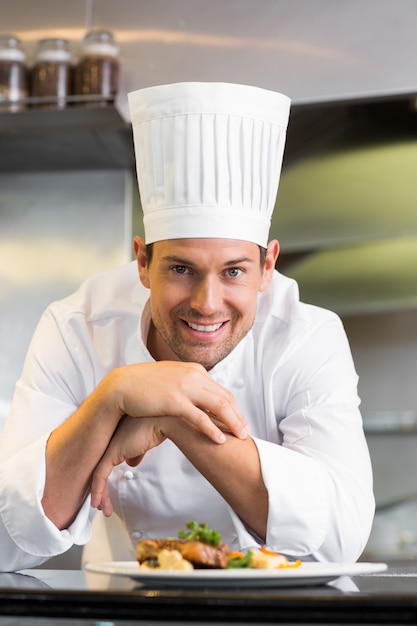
x=89 y=136
x=390 y=422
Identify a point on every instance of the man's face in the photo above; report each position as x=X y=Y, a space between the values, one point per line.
x=203 y=295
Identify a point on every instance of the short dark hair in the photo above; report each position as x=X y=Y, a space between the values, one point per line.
x=149 y=253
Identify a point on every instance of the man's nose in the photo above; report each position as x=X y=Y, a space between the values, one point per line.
x=206 y=295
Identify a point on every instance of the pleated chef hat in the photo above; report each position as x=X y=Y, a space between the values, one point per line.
x=208 y=159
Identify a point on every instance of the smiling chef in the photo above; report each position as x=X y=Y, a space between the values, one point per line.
x=192 y=383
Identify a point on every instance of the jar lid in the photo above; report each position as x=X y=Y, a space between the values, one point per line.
x=99 y=42
x=11 y=48
x=53 y=49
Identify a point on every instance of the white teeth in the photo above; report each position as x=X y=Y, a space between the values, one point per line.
x=205 y=329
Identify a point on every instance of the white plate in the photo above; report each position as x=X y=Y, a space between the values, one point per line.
x=305 y=574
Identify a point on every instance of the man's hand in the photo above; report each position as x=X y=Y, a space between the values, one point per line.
x=131 y=440
x=181 y=390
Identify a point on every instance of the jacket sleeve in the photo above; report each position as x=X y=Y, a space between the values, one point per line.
x=27 y=537
x=323 y=472
x=316 y=464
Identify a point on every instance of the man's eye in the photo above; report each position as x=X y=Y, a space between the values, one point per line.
x=233 y=272
x=180 y=269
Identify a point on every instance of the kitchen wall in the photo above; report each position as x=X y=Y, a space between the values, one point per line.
x=56 y=228
x=308 y=49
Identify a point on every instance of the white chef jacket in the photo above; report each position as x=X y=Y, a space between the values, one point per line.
x=294 y=379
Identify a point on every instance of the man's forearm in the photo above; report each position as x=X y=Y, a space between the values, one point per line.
x=73 y=451
x=233 y=469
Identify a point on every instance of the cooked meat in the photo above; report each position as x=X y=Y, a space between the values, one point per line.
x=201 y=555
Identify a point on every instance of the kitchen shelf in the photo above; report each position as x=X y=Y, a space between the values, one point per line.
x=89 y=136
x=392 y=422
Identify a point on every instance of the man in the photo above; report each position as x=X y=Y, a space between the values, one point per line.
x=202 y=390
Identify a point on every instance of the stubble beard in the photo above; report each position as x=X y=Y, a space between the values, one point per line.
x=207 y=355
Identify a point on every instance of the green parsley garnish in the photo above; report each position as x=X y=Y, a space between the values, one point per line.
x=200 y=532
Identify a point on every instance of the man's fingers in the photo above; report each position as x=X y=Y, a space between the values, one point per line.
x=229 y=414
x=99 y=494
x=206 y=425
x=219 y=415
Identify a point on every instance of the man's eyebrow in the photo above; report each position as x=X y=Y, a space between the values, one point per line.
x=243 y=259
x=172 y=258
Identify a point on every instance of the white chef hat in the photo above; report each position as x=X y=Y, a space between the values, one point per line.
x=208 y=159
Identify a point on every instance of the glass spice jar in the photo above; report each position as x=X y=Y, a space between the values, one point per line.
x=51 y=74
x=97 y=71
x=13 y=74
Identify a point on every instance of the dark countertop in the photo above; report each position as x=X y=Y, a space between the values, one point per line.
x=389 y=597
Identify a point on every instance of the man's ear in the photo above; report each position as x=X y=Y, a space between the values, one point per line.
x=272 y=253
x=139 y=249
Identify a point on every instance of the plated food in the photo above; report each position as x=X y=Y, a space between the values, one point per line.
x=199 y=547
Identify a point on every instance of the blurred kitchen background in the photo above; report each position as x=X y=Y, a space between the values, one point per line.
x=346 y=213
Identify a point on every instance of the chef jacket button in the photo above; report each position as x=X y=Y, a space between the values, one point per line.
x=136 y=534
x=239 y=382
x=129 y=474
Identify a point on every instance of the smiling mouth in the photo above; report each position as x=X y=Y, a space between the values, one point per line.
x=204 y=328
